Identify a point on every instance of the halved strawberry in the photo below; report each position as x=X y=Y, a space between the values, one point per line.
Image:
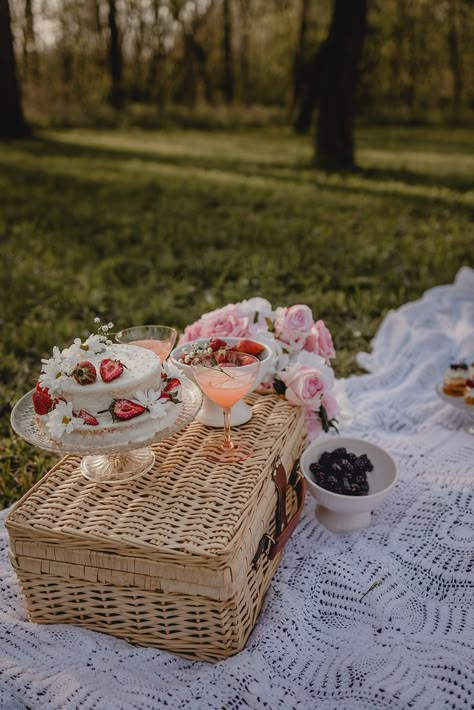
x=249 y=346
x=171 y=384
x=123 y=409
x=85 y=373
x=169 y=390
x=220 y=356
x=217 y=344
x=42 y=402
x=246 y=360
x=110 y=369
x=88 y=418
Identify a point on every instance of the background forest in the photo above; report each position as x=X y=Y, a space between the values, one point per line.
x=154 y=58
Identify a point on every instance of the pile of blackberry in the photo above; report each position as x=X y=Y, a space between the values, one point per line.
x=341 y=472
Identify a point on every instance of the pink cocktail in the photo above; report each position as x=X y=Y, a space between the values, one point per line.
x=226 y=377
x=160 y=339
x=161 y=348
x=226 y=387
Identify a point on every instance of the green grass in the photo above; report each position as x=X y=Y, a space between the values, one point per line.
x=148 y=227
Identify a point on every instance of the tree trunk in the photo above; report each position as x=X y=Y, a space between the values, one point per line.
x=300 y=69
x=201 y=58
x=30 y=55
x=398 y=55
x=229 y=82
x=413 y=65
x=455 y=54
x=12 y=122
x=339 y=60
x=115 y=59
x=244 y=51
x=156 y=73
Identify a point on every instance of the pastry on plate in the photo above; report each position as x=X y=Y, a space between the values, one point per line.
x=454 y=380
x=469 y=392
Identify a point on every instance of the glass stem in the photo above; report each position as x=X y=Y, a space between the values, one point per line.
x=227 y=440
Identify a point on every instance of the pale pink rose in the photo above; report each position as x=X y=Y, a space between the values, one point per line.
x=293 y=325
x=191 y=332
x=305 y=386
x=224 y=322
x=313 y=424
x=319 y=341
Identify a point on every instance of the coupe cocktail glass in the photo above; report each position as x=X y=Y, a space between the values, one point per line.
x=158 y=338
x=226 y=377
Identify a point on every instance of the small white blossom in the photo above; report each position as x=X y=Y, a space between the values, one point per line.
x=171 y=371
x=62 y=420
x=96 y=319
x=151 y=400
x=94 y=344
x=110 y=325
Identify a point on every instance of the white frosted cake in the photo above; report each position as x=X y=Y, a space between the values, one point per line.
x=96 y=393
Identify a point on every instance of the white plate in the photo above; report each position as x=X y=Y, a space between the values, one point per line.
x=457 y=402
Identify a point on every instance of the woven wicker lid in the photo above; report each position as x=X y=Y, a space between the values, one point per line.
x=185 y=506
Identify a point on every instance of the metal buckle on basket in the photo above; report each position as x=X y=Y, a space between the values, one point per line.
x=263 y=549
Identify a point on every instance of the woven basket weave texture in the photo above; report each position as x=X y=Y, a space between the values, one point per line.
x=165 y=559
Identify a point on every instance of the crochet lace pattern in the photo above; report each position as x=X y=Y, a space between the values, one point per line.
x=377 y=618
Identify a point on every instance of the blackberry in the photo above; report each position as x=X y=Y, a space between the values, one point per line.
x=338 y=453
x=364 y=463
x=342 y=472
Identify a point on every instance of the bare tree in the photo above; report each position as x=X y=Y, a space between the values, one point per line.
x=115 y=58
x=244 y=49
x=337 y=80
x=455 y=53
x=299 y=65
x=229 y=82
x=30 y=55
x=12 y=122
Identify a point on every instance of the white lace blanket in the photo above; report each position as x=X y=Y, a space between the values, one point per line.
x=409 y=643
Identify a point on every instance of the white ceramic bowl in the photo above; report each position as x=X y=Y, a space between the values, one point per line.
x=210 y=413
x=341 y=513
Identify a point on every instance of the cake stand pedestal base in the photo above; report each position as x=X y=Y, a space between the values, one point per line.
x=342 y=522
x=116 y=468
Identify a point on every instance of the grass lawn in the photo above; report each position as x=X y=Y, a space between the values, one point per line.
x=158 y=227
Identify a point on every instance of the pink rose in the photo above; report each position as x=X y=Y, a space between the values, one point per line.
x=191 y=332
x=305 y=386
x=293 y=325
x=224 y=322
x=319 y=341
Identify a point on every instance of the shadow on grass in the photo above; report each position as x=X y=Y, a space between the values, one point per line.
x=392 y=182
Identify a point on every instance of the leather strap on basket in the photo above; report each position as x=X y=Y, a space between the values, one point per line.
x=283 y=528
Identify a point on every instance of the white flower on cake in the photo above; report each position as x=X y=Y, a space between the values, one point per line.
x=54 y=371
x=62 y=420
x=153 y=401
x=93 y=345
x=171 y=371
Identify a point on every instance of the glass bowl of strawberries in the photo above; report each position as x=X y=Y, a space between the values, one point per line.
x=210 y=413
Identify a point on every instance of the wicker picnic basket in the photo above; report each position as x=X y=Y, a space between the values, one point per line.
x=179 y=558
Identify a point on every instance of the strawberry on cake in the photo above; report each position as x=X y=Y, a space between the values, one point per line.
x=99 y=393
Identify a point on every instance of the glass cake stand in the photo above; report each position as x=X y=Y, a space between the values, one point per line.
x=112 y=463
x=458 y=403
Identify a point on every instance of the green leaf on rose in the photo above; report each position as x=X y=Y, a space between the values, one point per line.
x=279 y=386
